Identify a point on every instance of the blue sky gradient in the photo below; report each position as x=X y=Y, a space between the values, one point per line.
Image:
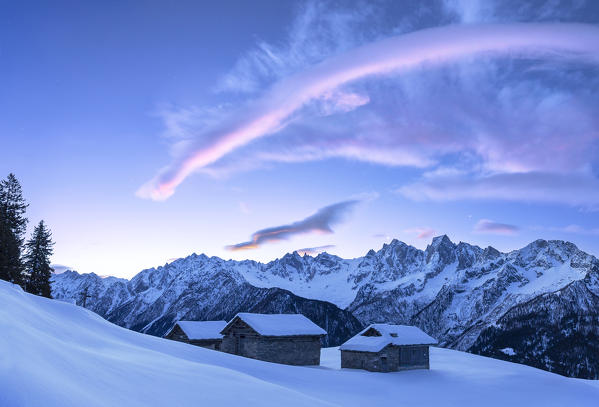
x=99 y=98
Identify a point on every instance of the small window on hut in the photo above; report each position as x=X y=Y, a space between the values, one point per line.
x=393 y=335
x=372 y=332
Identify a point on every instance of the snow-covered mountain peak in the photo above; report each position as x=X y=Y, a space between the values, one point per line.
x=543 y=254
x=467 y=255
x=490 y=253
x=439 y=254
x=327 y=260
x=371 y=252
x=442 y=240
x=551 y=247
x=440 y=243
x=395 y=246
x=291 y=266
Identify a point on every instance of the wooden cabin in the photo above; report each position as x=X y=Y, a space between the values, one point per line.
x=200 y=333
x=387 y=348
x=291 y=339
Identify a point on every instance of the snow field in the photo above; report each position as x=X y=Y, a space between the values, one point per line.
x=57 y=354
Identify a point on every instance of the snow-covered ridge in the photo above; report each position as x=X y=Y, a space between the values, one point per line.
x=63 y=355
x=540 y=266
x=411 y=274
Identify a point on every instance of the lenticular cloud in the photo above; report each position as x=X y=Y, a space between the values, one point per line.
x=273 y=111
x=320 y=222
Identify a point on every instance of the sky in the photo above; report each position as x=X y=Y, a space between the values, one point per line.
x=146 y=131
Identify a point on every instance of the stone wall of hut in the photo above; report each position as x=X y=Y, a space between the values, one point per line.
x=414 y=357
x=300 y=350
x=177 y=334
x=389 y=359
x=242 y=340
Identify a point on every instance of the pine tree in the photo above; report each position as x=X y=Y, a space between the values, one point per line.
x=37 y=261
x=12 y=229
x=11 y=197
x=11 y=267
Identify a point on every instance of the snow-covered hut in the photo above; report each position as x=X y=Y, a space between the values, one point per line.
x=387 y=348
x=201 y=333
x=291 y=339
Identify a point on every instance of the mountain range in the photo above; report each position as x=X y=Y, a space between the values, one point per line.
x=538 y=305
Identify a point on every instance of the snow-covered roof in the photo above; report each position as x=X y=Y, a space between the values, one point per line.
x=198 y=330
x=279 y=324
x=399 y=335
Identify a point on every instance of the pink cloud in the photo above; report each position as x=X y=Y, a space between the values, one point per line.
x=421 y=232
x=486 y=226
x=341 y=102
x=273 y=112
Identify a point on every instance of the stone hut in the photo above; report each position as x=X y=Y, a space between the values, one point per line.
x=387 y=348
x=200 y=333
x=291 y=339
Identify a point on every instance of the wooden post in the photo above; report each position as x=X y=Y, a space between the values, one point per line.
x=85 y=296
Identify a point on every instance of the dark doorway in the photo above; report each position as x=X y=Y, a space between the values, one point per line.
x=241 y=344
x=384 y=365
x=405 y=357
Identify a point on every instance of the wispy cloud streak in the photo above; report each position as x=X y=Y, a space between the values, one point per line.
x=321 y=222
x=572 y=228
x=275 y=109
x=572 y=189
x=487 y=226
x=310 y=251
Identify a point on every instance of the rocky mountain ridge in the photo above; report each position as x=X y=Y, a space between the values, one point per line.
x=455 y=292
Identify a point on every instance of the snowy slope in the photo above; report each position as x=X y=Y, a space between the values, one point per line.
x=63 y=355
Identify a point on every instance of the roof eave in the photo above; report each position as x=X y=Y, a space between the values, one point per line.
x=171 y=330
x=291 y=336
